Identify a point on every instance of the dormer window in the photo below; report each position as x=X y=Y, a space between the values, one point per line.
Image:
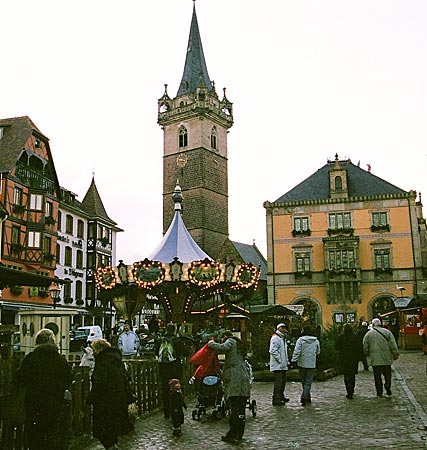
x=213 y=138
x=338 y=183
x=183 y=137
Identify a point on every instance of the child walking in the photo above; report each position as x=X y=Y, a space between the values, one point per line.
x=177 y=405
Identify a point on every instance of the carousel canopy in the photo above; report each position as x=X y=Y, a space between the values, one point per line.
x=177 y=242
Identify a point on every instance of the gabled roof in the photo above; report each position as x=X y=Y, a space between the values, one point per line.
x=92 y=204
x=178 y=242
x=251 y=254
x=360 y=183
x=16 y=132
x=195 y=70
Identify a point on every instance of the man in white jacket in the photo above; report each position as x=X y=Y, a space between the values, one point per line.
x=305 y=355
x=128 y=342
x=279 y=364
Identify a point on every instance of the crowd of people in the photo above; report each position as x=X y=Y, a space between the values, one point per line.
x=46 y=377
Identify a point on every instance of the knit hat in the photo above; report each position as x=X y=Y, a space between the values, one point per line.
x=376 y=322
x=174 y=383
x=280 y=325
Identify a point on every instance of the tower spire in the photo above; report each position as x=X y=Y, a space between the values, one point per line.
x=195 y=65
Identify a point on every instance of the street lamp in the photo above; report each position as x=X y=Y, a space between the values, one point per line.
x=54 y=291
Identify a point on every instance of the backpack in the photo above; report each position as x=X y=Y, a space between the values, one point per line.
x=166 y=352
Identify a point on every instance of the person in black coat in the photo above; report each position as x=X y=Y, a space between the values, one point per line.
x=363 y=329
x=348 y=350
x=45 y=375
x=109 y=395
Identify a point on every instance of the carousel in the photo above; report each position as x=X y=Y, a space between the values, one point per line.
x=178 y=274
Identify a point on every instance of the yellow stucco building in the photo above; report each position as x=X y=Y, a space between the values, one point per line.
x=345 y=244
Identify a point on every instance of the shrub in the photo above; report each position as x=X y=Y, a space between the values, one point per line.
x=328 y=357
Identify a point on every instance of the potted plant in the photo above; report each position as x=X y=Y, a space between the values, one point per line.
x=16 y=290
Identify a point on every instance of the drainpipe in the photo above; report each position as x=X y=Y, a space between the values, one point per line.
x=272 y=256
x=413 y=248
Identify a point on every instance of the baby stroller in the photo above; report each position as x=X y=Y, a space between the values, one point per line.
x=208 y=386
x=251 y=404
x=209 y=395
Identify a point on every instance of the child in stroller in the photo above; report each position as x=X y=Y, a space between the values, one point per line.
x=208 y=386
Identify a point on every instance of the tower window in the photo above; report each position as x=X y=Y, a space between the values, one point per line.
x=183 y=137
x=213 y=138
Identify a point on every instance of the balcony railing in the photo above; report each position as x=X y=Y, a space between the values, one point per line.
x=335 y=231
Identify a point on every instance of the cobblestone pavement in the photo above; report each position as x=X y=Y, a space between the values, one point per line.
x=331 y=422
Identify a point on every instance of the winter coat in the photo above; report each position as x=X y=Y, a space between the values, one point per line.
x=347 y=345
x=109 y=395
x=128 y=343
x=360 y=335
x=171 y=369
x=381 y=350
x=235 y=374
x=305 y=352
x=278 y=352
x=46 y=375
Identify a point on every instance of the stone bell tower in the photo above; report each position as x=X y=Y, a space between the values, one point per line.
x=195 y=124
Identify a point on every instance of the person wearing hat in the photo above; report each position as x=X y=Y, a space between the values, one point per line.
x=279 y=364
x=381 y=349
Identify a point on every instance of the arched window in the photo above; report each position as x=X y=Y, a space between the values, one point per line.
x=79 y=259
x=68 y=256
x=183 y=137
x=213 y=138
x=338 y=183
x=79 y=290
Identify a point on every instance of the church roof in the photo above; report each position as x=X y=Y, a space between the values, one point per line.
x=360 y=183
x=195 y=70
x=177 y=242
x=251 y=254
x=92 y=203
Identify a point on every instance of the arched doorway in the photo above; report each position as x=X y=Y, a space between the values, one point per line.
x=381 y=305
x=312 y=314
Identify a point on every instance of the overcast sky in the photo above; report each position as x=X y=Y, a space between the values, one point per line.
x=308 y=79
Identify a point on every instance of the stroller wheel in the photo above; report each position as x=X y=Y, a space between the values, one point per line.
x=216 y=414
x=194 y=414
x=199 y=414
x=253 y=408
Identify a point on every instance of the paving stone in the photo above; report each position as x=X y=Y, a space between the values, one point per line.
x=331 y=422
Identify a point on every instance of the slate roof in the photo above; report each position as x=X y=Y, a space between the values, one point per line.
x=195 y=64
x=16 y=132
x=251 y=254
x=177 y=241
x=360 y=183
x=92 y=203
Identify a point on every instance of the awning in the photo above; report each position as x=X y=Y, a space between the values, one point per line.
x=13 y=277
x=19 y=306
x=280 y=310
